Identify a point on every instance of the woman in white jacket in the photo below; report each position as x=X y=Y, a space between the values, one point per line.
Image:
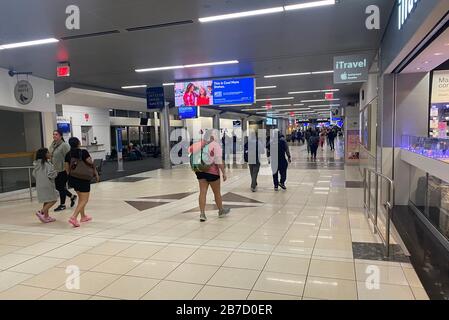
x=45 y=175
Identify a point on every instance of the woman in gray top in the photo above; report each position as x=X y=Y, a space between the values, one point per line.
x=58 y=150
x=45 y=175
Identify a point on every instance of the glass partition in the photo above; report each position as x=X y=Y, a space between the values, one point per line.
x=435 y=148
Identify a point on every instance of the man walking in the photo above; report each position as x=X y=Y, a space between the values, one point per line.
x=253 y=149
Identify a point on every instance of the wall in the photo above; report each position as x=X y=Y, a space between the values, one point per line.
x=12 y=127
x=33 y=133
x=41 y=87
x=412 y=112
x=98 y=118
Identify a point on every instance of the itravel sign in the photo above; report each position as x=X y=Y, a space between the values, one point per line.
x=350 y=69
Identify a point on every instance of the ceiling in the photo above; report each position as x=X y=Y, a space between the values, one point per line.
x=288 y=42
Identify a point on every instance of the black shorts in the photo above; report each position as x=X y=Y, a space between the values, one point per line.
x=207 y=176
x=79 y=185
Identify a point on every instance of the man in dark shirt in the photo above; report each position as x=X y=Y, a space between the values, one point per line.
x=279 y=165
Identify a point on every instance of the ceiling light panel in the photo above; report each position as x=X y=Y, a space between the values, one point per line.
x=28 y=43
x=198 y=65
x=241 y=14
x=308 y=5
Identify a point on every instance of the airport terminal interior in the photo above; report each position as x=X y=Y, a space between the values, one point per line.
x=224 y=150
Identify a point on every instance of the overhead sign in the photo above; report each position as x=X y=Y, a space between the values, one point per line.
x=440 y=87
x=406 y=7
x=23 y=91
x=215 y=92
x=349 y=69
x=155 y=98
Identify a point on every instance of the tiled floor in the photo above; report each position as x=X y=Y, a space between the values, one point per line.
x=291 y=245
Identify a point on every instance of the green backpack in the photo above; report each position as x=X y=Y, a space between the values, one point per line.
x=200 y=161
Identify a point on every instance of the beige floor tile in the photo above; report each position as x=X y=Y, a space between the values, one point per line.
x=118 y=265
x=85 y=261
x=23 y=293
x=420 y=293
x=193 y=273
x=412 y=277
x=91 y=283
x=259 y=295
x=110 y=248
x=67 y=251
x=12 y=259
x=140 y=250
x=51 y=279
x=154 y=269
x=101 y=298
x=220 y=293
x=332 y=269
x=89 y=241
x=63 y=239
x=129 y=288
x=5 y=249
x=385 y=292
x=9 y=279
x=330 y=289
x=61 y=295
x=39 y=248
x=332 y=253
x=37 y=265
x=234 y=278
x=209 y=257
x=174 y=253
x=245 y=260
x=169 y=290
x=283 y=264
x=388 y=275
x=281 y=283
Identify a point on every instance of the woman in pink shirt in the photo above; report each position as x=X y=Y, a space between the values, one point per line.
x=190 y=97
x=211 y=177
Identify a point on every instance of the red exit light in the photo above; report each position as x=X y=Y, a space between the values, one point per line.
x=63 y=70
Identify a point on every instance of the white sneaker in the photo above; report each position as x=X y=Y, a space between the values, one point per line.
x=223 y=212
x=203 y=217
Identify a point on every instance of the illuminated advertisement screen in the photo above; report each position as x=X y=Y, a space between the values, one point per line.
x=187 y=113
x=215 y=92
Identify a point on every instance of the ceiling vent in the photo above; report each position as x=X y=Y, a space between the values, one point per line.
x=91 y=35
x=162 y=25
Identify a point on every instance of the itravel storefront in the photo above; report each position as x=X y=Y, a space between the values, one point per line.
x=413 y=136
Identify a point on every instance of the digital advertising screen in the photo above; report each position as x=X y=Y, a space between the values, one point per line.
x=215 y=92
x=188 y=113
x=64 y=127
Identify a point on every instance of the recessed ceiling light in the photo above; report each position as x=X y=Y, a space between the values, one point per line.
x=266 y=87
x=418 y=68
x=426 y=62
x=438 y=54
x=307 y=5
x=135 y=87
x=320 y=100
x=314 y=91
x=297 y=74
x=207 y=64
x=241 y=14
x=28 y=43
x=275 y=99
x=168 y=84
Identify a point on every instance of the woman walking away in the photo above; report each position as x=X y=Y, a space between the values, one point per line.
x=80 y=169
x=45 y=175
x=206 y=162
x=58 y=149
x=322 y=138
x=314 y=143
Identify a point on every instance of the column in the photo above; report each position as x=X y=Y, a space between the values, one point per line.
x=156 y=131
x=216 y=122
x=165 y=137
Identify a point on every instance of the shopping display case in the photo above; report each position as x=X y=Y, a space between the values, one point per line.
x=429 y=158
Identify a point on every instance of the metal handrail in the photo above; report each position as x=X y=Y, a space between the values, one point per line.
x=29 y=176
x=389 y=204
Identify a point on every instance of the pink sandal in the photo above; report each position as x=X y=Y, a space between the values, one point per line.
x=50 y=219
x=74 y=222
x=86 y=218
x=41 y=217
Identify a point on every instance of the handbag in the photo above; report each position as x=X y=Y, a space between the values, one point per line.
x=80 y=169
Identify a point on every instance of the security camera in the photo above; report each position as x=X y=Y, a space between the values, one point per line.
x=11 y=73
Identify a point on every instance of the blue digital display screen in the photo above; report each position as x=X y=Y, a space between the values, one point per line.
x=64 y=127
x=188 y=113
x=233 y=91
